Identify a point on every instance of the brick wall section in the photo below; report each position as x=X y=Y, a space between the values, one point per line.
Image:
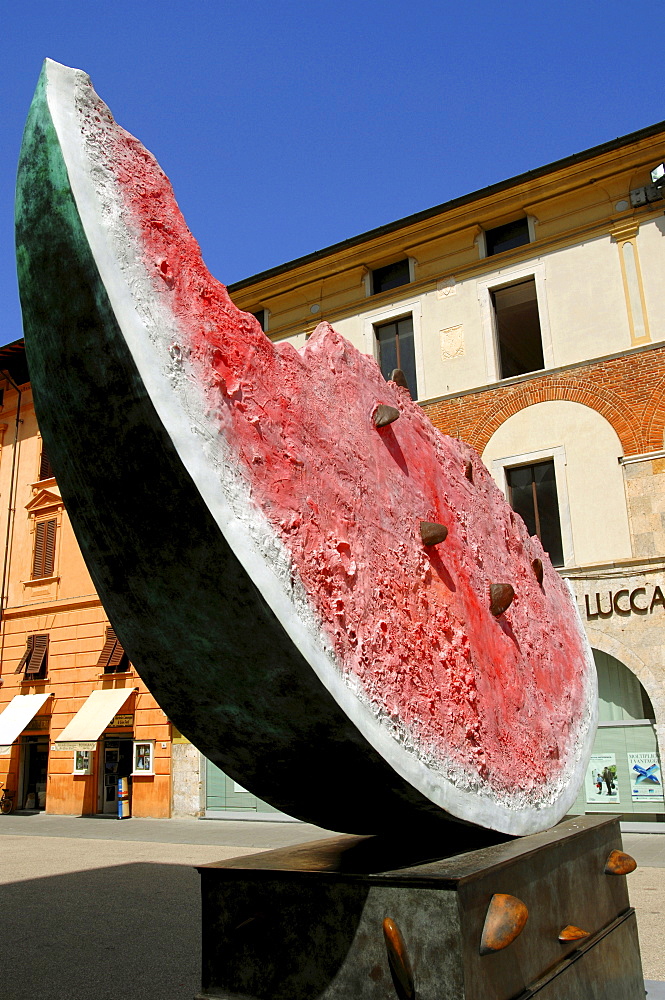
x=629 y=391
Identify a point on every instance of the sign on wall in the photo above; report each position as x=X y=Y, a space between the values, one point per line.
x=646 y=782
x=601 y=783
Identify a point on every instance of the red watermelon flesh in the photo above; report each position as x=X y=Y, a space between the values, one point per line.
x=501 y=707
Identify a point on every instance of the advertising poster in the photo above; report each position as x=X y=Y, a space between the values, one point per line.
x=646 y=782
x=601 y=779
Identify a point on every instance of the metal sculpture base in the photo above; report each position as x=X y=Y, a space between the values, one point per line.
x=307 y=922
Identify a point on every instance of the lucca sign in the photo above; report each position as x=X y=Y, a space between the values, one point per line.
x=640 y=601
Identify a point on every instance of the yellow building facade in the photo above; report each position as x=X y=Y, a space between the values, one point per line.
x=74 y=715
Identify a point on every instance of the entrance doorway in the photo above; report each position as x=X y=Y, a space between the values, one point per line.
x=34 y=768
x=116 y=763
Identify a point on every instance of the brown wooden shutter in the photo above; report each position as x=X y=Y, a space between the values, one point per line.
x=112 y=655
x=43 y=560
x=109 y=648
x=45 y=468
x=26 y=656
x=37 y=658
x=38 y=558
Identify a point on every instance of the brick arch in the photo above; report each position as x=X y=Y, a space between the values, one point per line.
x=654 y=419
x=590 y=394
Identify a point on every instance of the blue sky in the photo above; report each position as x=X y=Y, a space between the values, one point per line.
x=287 y=127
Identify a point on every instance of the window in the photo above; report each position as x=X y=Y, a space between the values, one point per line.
x=513 y=234
x=262 y=316
x=113 y=659
x=533 y=495
x=144 y=752
x=43 y=560
x=82 y=762
x=45 y=468
x=34 y=660
x=517 y=325
x=396 y=350
x=391 y=276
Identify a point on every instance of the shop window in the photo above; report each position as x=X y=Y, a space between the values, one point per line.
x=113 y=659
x=144 y=753
x=43 y=560
x=82 y=762
x=517 y=325
x=391 y=276
x=507 y=237
x=45 y=467
x=397 y=350
x=533 y=495
x=35 y=658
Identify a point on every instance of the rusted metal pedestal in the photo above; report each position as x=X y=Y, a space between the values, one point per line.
x=361 y=918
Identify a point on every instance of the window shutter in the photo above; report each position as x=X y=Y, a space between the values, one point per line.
x=38 y=558
x=37 y=659
x=45 y=469
x=26 y=656
x=112 y=654
x=109 y=648
x=43 y=561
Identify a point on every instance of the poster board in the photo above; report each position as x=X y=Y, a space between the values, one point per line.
x=598 y=789
x=646 y=780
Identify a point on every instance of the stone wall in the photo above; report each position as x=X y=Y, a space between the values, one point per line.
x=187 y=780
x=645 y=496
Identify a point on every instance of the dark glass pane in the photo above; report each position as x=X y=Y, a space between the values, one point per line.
x=260 y=315
x=387 y=338
x=518 y=328
x=548 y=511
x=390 y=276
x=513 y=234
x=396 y=350
x=520 y=483
x=541 y=517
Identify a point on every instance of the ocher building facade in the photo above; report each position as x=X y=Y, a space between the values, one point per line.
x=529 y=320
x=74 y=715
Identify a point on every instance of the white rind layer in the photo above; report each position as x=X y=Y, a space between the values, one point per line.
x=150 y=330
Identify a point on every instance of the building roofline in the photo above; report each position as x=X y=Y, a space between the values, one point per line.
x=446 y=206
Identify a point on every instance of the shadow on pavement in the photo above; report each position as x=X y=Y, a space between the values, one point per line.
x=130 y=931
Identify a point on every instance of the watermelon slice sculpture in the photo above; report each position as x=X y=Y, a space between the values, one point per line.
x=314 y=582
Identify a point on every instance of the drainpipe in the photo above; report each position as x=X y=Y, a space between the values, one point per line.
x=11 y=510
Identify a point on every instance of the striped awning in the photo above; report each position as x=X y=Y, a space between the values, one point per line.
x=92 y=719
x=19 y=712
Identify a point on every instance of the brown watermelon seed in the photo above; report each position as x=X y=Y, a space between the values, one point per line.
x=501 y=597
x=572 y=933
x=537 y=566
x=384 y=415
x=619 y=863
x=398 y=377
x=504 y=921
x=468 y=471
x=398 y=959
x=432 y=533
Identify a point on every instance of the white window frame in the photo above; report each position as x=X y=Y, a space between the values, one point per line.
x=151 y=769
x=411 y=307
x=501 y=279
x=558 y=455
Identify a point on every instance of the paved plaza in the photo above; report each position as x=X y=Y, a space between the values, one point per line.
x=96 y=909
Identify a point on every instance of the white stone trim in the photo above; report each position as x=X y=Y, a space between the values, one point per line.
x=386 y=314
x=647 y=456
x=510 y=276
x=558 y=454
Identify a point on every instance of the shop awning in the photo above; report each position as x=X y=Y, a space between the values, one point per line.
x=92 y=719
x=19 y=712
